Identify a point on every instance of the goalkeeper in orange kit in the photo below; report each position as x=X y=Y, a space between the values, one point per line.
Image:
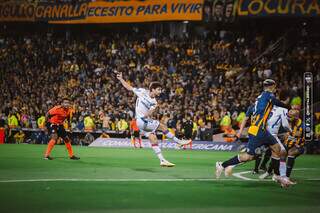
x=135 y=133
x=55 y=118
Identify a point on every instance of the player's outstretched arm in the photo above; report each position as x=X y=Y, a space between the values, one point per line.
x=278 y=103
x=123 y=82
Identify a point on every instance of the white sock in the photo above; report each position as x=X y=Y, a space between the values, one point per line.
x=168 y=134
x=157 y=150
x=283 y=168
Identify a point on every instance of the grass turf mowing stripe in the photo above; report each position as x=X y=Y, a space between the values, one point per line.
x=117 y=180
x=137 y=180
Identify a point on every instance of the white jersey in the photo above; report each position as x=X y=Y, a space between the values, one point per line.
x=144 y=103
x=278 y=117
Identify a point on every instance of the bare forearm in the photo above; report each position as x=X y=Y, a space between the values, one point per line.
x=126 y=85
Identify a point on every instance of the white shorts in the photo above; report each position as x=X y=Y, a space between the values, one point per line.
x=147 y=125
x=279 y=142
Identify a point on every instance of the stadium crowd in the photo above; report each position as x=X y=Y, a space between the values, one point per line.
x=200 y=76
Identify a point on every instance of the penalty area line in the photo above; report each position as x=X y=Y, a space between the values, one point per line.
x=240 y=175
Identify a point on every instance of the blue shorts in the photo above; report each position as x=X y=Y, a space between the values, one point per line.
x=262 y=138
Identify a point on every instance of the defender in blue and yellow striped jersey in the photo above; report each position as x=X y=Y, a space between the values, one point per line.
x=258 y=133
x=294 y=142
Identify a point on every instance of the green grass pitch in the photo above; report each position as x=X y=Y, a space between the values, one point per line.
x=128 y=180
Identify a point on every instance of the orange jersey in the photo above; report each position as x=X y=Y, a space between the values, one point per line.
x=58 y=114
x=134 y=126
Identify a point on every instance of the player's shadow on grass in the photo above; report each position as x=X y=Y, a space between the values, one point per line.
x=243 y=184
x=83 y=162
x=144 y=170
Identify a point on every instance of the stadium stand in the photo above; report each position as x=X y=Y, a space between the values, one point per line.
x=211 y=78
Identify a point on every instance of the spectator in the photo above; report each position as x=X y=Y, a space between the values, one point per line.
x=206 y=132
x=240 y=118
x=88 y=139
x=41 y=122
x=200 y=76
x=122 y=125
x=229 y=134
x=13 y=121
x=105 y=121
x=225 y=122
x=104 y=135
x=187 y=127
x=19 y=136
x=80 y=125
x=89 y=125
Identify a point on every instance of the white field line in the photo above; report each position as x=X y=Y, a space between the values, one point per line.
x=239 y=175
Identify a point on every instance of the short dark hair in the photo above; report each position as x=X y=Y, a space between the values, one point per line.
x=154 y=85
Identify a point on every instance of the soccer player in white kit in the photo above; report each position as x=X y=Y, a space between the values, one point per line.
x=146 y=103
x=277 y=118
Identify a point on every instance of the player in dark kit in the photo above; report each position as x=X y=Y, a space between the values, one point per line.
x=258 y=134
x=187 y=126
x=55 y=118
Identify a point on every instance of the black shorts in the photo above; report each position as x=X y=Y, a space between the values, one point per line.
x=136 y=134
x=58 y=129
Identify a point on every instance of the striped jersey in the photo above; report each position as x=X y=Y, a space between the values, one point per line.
x=262 y=108
x=293 y=140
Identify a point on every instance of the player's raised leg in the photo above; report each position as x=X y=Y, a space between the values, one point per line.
x=168 y=134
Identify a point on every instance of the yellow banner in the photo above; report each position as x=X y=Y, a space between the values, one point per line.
x=103 y=12
x=13 y=11
x=310 y=8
